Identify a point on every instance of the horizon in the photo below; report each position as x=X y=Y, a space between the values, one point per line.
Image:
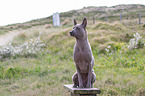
x=23 y=11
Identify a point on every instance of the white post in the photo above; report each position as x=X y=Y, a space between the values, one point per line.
x=56 y=19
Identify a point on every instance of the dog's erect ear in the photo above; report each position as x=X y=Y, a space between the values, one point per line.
x=75 y=22
x=84 y=23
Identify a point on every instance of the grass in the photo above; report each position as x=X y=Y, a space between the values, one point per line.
x=119 y=72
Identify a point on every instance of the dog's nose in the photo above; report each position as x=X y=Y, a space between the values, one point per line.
x=70 y=33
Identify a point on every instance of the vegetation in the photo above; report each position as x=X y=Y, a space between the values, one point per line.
x=30 y=48
x=119 y=64
x=129 y=12
x=119 y=70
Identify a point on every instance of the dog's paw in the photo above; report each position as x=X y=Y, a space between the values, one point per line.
x=81 y=86
x=88 y=85
x=75 y=86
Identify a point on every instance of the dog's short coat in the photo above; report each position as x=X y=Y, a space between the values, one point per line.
x=83 y=58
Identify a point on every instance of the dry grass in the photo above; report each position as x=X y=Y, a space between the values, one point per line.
x=101 y=40
x=117 y=73
x=66 y=22
x=48 y=26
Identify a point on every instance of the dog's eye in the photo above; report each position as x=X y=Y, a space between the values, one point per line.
x=73 y=27
x=78 y=28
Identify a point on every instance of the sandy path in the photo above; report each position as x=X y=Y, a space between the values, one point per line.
x=8 y=37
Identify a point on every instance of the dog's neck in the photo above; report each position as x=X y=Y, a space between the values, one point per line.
x=82 y=44
x=85 y=38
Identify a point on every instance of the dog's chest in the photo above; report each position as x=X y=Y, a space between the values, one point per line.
x=82 y=58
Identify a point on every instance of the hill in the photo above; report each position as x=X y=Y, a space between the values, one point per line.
x=128 y=12
x=39 y=61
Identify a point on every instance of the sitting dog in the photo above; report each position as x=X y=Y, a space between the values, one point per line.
x=83 y=58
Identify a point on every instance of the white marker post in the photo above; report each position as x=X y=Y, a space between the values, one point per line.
x=56 y=19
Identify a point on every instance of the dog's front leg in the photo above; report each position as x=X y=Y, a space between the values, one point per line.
x=89 y=76
x=79 y=77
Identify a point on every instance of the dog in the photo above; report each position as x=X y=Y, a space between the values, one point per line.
x=83 y=57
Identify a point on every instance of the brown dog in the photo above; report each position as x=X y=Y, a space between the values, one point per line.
x=83 y=58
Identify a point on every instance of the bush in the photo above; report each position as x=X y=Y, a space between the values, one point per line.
x=136 y=42
x=30 y=48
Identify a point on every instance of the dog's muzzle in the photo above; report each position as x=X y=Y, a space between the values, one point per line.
x=71 y=33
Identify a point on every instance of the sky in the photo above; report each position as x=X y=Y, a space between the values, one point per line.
x=19 y=11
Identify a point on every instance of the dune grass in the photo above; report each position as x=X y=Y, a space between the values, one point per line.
x=119 y=71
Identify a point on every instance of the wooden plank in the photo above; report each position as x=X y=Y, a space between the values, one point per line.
x=90 y=91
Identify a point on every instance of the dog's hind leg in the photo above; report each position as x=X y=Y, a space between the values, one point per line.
x=75 y=80
x=93 y=78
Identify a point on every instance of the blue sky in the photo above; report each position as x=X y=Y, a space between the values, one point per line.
x=18 y=11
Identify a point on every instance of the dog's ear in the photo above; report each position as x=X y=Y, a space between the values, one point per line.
x=84 y=23
x=75 y=22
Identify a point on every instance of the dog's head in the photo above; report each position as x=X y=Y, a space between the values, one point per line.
x=79 y=30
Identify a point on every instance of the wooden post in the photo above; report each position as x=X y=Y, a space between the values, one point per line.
x=120 y=17
x=93 y=20
x=82 y=91
x=139 y=17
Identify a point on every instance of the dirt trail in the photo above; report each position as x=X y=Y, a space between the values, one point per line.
x=8 y=37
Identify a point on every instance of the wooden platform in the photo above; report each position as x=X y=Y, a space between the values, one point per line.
x=82 y=91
